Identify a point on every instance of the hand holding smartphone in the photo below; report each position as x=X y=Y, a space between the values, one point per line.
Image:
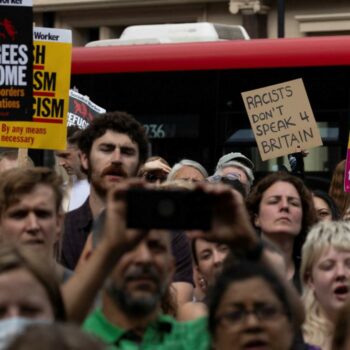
x=169 y=209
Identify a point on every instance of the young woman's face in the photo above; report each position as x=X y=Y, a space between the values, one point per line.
x=210 y=257
x=330 y=280
x=280 y=210
x=22 y=295
x=250 y=316
x=323 y=211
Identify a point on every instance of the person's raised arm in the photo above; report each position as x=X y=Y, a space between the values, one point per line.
x=230 y=220
x=80 y=290
x=231 y=225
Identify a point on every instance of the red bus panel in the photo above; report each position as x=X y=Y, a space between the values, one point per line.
x=257 y=53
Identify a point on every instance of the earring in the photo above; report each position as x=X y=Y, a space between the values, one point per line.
x=203 y=284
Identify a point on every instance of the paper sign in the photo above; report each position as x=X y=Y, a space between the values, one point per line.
x=281 y=118
x=51 y=81
x=82 y=110
x=347 y=170
x=16 y=59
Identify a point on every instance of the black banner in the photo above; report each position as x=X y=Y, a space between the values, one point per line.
x=16 y=60
x=82 y=110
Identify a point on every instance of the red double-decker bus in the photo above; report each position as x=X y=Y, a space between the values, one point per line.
x=188 y=95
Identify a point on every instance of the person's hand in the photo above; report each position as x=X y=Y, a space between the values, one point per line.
x=230 y=223
x=303 y=152
x=154 y=171
x=155 y=165
x=115 y=229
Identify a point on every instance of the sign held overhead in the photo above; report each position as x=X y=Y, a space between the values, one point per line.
x=281 y=118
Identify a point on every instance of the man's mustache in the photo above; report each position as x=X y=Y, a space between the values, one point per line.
x=114 y=169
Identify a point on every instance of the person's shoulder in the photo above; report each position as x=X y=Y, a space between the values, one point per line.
x=92 y=318
x=96 y=322
x=192 y=311
x=192 y=334
x=84 y=211
x=178 y=235
x=191 y=327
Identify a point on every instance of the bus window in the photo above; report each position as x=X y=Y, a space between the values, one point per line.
x=188 y=95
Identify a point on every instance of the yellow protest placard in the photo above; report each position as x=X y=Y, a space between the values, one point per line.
x=281 y=118
x=51 y=81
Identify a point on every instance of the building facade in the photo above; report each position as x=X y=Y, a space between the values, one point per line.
x=104 y=19
x=91 y=20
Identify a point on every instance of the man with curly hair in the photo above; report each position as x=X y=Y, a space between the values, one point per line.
x=112 y=148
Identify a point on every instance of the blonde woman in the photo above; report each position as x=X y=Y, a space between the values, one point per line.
x=325 y=275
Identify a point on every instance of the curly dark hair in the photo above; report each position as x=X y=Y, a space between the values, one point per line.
x=309 y=214
x=255 y=196
x=116 y=121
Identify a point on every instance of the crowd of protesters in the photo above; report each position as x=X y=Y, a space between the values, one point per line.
x=266 y=267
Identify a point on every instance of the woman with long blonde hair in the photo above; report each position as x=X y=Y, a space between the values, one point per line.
x=325 y=276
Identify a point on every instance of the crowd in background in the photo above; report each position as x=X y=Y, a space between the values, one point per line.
x=271 y=271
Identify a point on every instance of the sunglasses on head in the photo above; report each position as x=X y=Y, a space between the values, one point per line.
x=154 y=177
x=223 y=178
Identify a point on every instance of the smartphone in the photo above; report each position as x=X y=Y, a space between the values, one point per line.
x=169 y=209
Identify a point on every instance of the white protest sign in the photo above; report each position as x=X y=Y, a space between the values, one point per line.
x=281 y=118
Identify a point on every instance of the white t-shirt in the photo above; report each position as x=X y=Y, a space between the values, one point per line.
x=78 y=194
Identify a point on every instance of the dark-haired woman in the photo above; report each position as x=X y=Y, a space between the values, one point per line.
x=249 y=309
x=282 y=209
x=326 y=209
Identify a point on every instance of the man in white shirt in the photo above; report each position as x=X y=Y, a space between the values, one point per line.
x=78 y=188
